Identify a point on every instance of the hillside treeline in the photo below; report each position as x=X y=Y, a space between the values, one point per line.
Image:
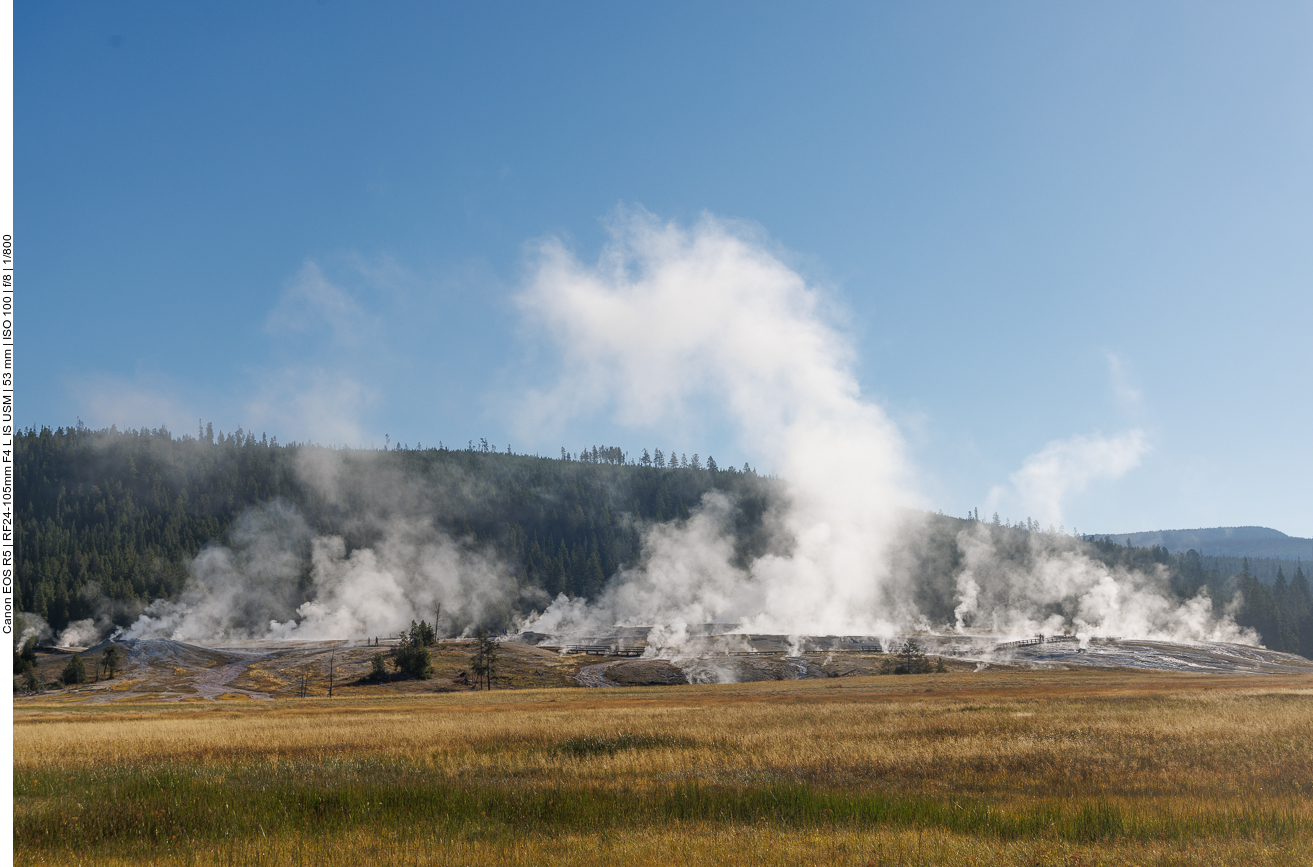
x=1281 y=612
x=113 y=518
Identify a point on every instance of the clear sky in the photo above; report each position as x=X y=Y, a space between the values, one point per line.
x=1069 y=245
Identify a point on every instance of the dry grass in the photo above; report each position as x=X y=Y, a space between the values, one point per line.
x=990 y=768
x=683 y=844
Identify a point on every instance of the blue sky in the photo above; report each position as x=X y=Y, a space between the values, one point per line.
x=1042 y=229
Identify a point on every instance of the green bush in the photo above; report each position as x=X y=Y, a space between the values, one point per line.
x=412 y=655
x=912 y=660
x=413 y=659
x=378 y=672
x=75 y=672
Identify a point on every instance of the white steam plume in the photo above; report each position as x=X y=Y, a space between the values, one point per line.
x=31 y=626
x=80 y=633
x=376 y=591
x=105 y=613
x=668 y=314
x=1051 y=586
x=1065 y=467
x=278 y=579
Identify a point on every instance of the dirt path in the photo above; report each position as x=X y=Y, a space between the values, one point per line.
x=151 y=674
x=214 y=682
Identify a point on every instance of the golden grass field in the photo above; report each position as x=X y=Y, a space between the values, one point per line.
x=995 y=767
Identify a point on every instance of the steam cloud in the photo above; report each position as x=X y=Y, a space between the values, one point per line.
x=1066 y=467
x=258 y=586
x=31 y=626
x=759 y=344
x=666 y=317
x=1054 y=587
x=668 y=314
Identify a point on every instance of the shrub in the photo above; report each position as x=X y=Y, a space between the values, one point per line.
x=912 y=660
x=413 y=659
x=412 y=655
x=378 y=669
x=74 y=672
x=410 y=658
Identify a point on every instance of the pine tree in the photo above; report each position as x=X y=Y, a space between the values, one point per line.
x=412 y=654
x=74 y=672
x=1300 y=601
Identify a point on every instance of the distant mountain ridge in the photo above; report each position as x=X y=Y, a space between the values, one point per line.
x=1223 y=542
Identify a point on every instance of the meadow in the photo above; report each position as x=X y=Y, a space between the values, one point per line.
x=995 y=767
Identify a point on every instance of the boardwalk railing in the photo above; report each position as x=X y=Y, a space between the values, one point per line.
x=1020 y=642
x=605 y=649
x=1051 y=639
x=864 y=648
x=638 y=650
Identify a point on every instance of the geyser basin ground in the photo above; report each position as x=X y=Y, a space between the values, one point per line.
x=172 y=671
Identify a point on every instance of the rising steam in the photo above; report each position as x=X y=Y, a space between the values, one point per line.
x=1065 y=467
x=668 y=315
x=278 y=579
x=669 y=319
x=1051 y=587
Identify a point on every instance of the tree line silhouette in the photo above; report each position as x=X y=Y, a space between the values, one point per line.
x=115 y=517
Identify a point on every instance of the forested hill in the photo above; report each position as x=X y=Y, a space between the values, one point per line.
x=128 y=510
x=114 y=518
x=1234 y=542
